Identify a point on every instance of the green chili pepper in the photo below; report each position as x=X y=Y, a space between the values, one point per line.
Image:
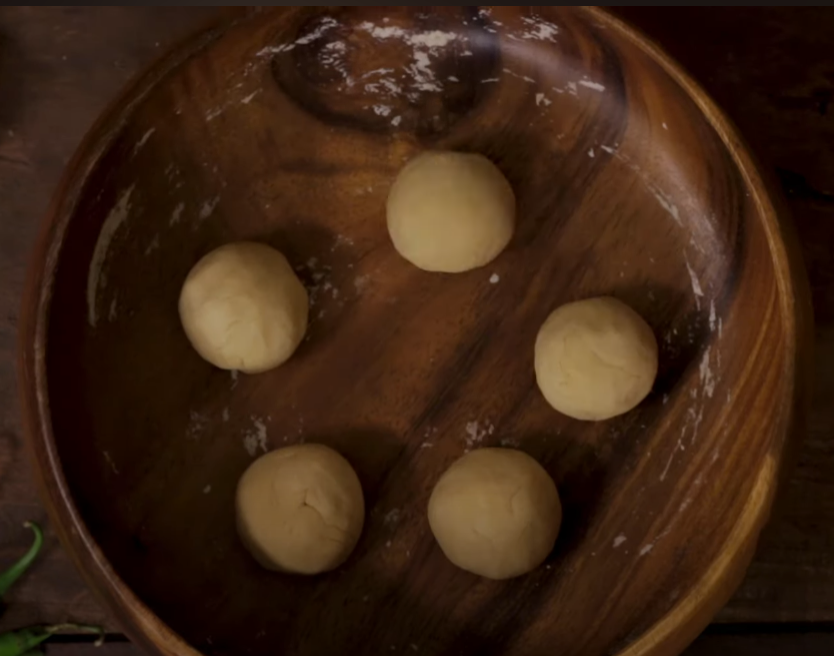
x=19 y=643
x=8 y=578
x=26 y=641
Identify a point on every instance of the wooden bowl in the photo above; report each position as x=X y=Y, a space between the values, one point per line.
x=288 y=126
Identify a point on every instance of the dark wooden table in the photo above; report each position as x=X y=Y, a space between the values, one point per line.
x=772 y=70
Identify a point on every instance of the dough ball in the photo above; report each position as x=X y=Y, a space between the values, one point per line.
x=450 y=212
x=496 y=513
x=595 y=359
x=242 y=307
x=300 y=509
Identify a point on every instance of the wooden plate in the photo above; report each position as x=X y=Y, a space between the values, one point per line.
x=288 y=126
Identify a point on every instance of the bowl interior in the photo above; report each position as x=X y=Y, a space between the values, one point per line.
x=288 y=127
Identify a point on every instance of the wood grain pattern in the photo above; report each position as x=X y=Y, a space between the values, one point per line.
x=59 y=67
x=674 y=220
x=771 y=69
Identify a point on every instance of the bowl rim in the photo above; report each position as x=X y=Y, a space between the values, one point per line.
x=671 y=633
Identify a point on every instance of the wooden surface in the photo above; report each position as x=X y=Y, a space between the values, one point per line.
x=627 y=183
x=773 y=72
x=59 y=67
x=710 y=644
x=770 y=69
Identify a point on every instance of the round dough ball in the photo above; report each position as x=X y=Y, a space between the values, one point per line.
x=300 y=509
x=243 y=308
x=450 y=212
x=595 y=359
x=496 y=513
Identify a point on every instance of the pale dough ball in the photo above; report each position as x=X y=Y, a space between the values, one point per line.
x=300 y=509
x=243 y=308
x=496 y=513
x=595 y=359
x=450 y=212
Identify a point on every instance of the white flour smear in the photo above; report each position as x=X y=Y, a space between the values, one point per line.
x=596 y=86
x=143 y=140
x=476 y=432
x=255 y=439
x=697 y=291
x=327 y=24
x=97 y=276
x=417 y=75
x=538 y=29
x=408 y=81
